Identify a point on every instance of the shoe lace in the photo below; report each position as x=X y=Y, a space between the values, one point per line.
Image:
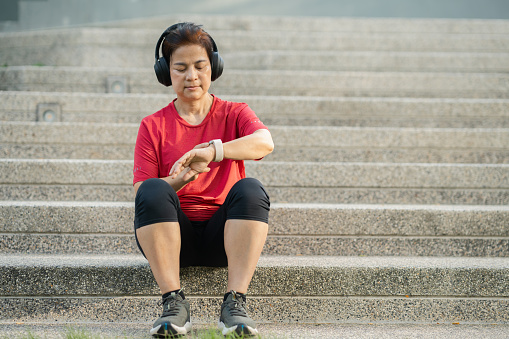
x=238 y=306
x=170 y=306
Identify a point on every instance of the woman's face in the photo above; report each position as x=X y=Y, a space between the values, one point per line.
x=190 y=72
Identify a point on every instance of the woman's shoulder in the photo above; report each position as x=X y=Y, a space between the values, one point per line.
x=228 y=107
x=156 y=117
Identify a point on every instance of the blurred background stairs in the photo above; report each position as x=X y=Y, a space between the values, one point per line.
x=389 y=181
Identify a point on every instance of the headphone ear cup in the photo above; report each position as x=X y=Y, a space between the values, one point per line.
x=217 y=66
x=162 y=71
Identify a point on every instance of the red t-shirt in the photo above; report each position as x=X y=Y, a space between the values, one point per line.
x=164 y=137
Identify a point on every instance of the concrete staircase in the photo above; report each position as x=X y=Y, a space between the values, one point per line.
x=389 y=181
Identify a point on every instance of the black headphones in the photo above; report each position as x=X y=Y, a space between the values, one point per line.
x=162 y=68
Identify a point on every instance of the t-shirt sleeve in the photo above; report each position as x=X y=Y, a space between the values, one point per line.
x=248 y=122
x=145 y=156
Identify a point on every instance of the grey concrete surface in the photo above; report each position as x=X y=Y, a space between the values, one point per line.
x=275 y=245
x=346 y=144
x=298 y=276
x=314 y=229
x=292 y=245
x=281 y=153
x=268 y=331
x=275 y=174
x=324 y=24
x=326 y=195
x=289 y=111
x=269 y=83
x=99 y=47
x=396 y=264
x=312 y=136
x=286 y=219
x=278 y=310
x=24 y=15
x=367 y=61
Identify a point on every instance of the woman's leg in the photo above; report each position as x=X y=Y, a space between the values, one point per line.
x=243 y=243
x=161 y=245
x=245 y=231
x=158 y=231
x=247 y=209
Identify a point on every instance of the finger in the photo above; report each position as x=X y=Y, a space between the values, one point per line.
x=190 y=175
x=188 y=158
x=179 y=165
x=174 y=169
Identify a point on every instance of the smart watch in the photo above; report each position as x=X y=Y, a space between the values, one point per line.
x=218 y=145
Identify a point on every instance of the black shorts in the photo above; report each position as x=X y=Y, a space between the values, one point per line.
x=202 y=242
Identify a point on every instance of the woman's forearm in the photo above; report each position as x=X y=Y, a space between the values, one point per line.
x=250 y=147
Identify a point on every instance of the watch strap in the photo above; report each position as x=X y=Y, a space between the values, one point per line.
x=218 y=145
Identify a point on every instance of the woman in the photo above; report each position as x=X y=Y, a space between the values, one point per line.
x=194 y=206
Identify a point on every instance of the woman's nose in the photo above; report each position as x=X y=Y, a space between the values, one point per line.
x=191 y=73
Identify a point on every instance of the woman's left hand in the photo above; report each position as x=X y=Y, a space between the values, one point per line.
x=197 y=159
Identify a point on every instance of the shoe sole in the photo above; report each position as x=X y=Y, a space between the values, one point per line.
x=170 y=330
x=240 y=329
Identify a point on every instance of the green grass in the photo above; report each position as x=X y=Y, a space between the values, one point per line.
x=73 y=333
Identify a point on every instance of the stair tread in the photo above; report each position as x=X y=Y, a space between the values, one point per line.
x=413 y=263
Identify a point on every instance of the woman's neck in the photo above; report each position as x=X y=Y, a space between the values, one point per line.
x=194 y=112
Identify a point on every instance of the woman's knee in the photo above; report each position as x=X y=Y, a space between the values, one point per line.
x=154 y=191
x=251 y=188
x=248 y=200
x=155 y=200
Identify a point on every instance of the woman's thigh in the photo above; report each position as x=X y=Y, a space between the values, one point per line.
x=247 y=200
x=156 y=201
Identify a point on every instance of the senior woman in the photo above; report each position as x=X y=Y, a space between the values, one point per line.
x=194 y=206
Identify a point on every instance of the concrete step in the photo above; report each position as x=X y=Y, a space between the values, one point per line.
x=320 y=24
x=288 y=111
x=282 y=153
x=284 y=330
x=284 y=289
x=270 y=83
x=295 y=229
x=360 y=144
x=110 y=180
x=107 y=46
x=367 y=61
x=79 y=244
x=108 y=275
x=263 y=309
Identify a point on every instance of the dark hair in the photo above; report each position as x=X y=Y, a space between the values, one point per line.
x=186 y=33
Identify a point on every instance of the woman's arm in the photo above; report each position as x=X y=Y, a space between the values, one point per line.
x=185 y=177
x=249 y=147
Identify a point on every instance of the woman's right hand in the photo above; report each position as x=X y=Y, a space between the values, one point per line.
x=188 y=175
x=197 y=159
x=183 y=178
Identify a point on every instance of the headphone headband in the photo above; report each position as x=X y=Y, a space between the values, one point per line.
x=172 y=28
x=165 y=33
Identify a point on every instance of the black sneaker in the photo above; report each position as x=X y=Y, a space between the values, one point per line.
x=234 y=317
x=175 y=320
